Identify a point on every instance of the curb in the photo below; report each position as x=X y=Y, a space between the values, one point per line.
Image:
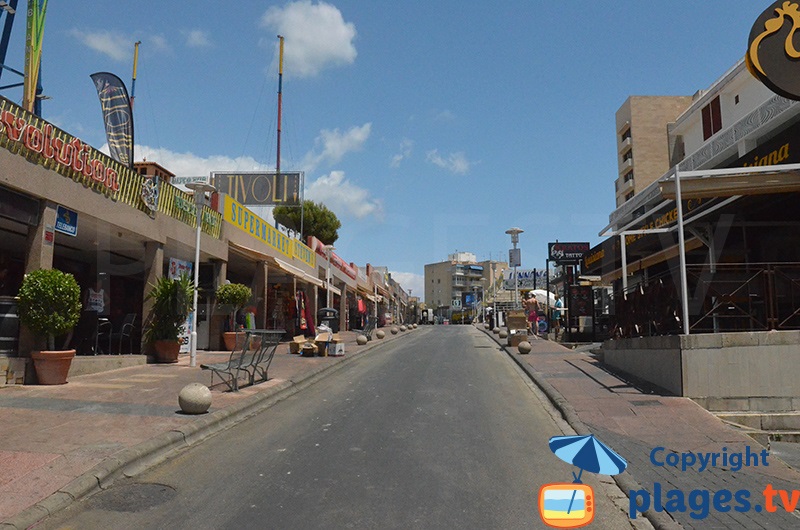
x=625 y=481
x=135 y=460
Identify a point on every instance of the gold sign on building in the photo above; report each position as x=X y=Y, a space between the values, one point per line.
x=260 y=188
x=772 y=56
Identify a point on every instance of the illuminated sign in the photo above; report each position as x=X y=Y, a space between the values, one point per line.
x=771 y=53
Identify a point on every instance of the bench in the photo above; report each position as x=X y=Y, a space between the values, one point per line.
x=253 y=359
x=368 y=329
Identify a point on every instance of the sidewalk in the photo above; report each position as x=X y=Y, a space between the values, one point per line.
x=634 y=423
x=58 y=443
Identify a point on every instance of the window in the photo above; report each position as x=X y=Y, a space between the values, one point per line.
x=629 y=196
x=626 y=134
x=627 y=156
x=628 y=176
x=712 y=118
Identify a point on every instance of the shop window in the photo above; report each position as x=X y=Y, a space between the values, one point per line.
x=712 y=119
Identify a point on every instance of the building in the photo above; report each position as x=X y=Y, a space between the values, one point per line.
x=66 y=205
x=734 y=283
x=460 y=283
x=642 y=144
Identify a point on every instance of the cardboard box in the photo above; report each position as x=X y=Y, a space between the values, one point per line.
x=515 y=338
x=336 y=349
x=297 y=343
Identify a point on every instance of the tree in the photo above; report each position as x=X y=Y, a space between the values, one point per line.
x=318 y=221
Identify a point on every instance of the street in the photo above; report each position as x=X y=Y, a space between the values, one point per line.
x=436 y=431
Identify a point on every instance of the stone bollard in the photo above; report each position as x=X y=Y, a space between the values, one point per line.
x=524 y=347
x=486 y=325
x=414 y=325
x=361 y=340
x=496 y=331
x=194 y=398
x=403 y=327
x=395 y=330
x=503 y=334
x=380 y=333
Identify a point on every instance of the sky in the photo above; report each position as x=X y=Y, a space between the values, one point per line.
x=428 y=127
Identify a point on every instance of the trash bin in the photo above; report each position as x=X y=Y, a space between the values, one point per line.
x=330 y=317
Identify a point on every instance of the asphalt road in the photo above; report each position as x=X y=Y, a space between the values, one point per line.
x=437 y=430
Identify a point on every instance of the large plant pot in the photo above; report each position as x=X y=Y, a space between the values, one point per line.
x=52 y=367
x=167 y=350
x=235 y=341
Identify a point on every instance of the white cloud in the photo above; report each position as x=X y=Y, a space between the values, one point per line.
x=111 y=44
x=455 y=162
x=331 y=146
x=191 y=165
x=197 y=38
x=405 y=152
x=115 y=45
x=342 y=196
x=409 y=280
x=316 y=36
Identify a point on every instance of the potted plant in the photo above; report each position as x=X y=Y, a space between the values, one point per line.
x=172 y=303
x=234 y=296
x=50 y=305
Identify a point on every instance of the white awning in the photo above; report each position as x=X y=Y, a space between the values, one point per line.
x=335 y=290
x=298 y=273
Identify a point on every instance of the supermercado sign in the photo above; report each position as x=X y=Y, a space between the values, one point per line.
x=24 y=133
x=247 y=221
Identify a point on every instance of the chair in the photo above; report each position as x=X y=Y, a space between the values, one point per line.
x=124 y=333
x=102 y=333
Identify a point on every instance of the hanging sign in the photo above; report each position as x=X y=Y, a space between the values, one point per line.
x=260 y=188
x=566 y=253
x=66 y=221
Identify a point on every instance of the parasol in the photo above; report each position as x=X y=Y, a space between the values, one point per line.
x=544 y=297
x=589 y=454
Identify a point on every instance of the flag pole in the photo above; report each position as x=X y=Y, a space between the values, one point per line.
x=135 y=63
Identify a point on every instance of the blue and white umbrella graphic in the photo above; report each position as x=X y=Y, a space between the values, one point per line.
x=589 y=454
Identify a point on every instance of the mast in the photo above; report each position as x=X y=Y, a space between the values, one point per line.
x=280 y=96
x=135 y=62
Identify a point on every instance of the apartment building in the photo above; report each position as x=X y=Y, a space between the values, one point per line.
x=451 y=285
x=643 y=153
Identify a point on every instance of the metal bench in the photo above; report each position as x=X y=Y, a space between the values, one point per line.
x=368 y=329
x=253 y=361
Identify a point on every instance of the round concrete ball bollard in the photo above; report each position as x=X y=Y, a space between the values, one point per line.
x=503 y=334
x=403 y=327
x=496 y=331
x=395 y=330
x=486 y=325
x=194 y=398
x=414 y=326
x=361 y=340
x=380 y=333
x=524 y=347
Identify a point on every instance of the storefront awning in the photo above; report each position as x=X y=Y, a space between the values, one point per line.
x=736 y=181
x=333 y=289
x=298 y=273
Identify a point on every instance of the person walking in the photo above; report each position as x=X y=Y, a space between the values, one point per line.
x=557 y=316
x=532 y=308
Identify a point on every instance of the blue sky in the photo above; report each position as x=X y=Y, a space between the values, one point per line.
x=428 y=127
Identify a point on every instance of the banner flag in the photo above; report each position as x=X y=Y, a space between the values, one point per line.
x=117 y=115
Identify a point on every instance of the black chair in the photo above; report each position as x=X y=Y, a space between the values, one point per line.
x=102 y=335
x=125 y=333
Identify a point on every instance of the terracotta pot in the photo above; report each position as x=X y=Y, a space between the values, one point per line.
x=167 y=350
x=235 y=341
x=52 y=367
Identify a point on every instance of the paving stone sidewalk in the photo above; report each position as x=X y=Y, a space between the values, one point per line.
x=58 y=442
x=635 y=421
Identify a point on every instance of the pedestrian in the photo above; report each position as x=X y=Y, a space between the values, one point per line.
x=557 y=316
x=532 y=308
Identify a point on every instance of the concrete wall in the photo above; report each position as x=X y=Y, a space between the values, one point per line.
x=749 y=370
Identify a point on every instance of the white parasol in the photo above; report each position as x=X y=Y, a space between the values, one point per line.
x=542 y=297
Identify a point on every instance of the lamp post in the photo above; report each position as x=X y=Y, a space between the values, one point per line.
x=199 y=189
x=483 y=299
x=515 y=261
x=329 y=297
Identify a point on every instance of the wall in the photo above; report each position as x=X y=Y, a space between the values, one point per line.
x=748 y=370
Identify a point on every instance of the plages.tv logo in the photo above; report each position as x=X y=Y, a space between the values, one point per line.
x=771 y=55
x=572 y=505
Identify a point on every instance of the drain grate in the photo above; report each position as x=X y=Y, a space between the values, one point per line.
x=133 y=497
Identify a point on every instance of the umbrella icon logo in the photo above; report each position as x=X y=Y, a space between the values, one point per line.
x=571 y=505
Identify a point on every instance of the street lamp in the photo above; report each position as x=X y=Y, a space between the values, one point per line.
x=483 y=299
x=328 y=280
x=199 y=189
x=514 y=258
